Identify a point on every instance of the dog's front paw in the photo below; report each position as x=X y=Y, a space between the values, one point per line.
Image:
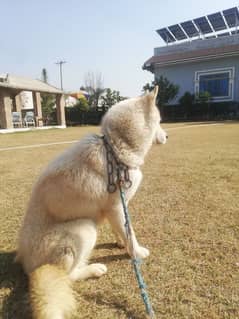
x=98 y=269
x=142 y=252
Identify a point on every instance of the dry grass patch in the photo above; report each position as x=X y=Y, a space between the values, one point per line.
x=44 y=136
x=186 y=212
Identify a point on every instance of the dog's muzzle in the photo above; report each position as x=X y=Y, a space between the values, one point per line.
x=160 y=136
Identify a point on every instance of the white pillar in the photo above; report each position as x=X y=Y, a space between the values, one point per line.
x=5 y=110
x=60 y=109
x=37 y=108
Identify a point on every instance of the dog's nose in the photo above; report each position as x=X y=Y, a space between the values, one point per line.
x=167 y=136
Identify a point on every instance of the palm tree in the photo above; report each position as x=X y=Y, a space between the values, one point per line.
x=44 y=75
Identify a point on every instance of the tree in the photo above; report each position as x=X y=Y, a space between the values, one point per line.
x=82 y=105
x=204 y=98
x=48 y=101
x=95 y=87
x=110 y=98
x=167 y=90
x=186 y=101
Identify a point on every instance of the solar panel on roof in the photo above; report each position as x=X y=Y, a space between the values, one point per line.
x=217 y=21
x=223 y=34
x=232 y=17
x=211 y=37
x=177 y=32
x=203 y=25
x=189 y=28
x=207 y=25
x=166 y=35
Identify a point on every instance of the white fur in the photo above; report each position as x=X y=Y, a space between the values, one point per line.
x=70 y=197
x=160 y=136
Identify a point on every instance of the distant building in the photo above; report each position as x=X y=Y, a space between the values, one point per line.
x=18 y=94
x=73 y=97
x=71 y=101
x=201 y=55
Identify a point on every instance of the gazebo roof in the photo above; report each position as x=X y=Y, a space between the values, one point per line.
x=26 y=84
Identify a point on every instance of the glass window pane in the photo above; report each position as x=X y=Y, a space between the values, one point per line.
x=216 y=84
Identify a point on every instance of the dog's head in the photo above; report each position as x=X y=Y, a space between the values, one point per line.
x=131 y=127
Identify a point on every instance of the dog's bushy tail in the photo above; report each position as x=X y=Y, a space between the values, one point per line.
x=51 y=293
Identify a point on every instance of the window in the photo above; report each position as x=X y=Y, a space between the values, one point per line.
x=218 y=82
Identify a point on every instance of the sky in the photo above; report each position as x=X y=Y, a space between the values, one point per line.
x=111 y=37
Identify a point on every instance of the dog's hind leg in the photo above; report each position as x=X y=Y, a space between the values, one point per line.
x=69 y=245
x=86 y=231
x=88 y=271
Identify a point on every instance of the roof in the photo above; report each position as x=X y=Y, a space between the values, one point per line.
x=189 y=56
x=26 y=84
x=79 y=94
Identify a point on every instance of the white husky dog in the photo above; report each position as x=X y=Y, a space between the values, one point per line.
x=70 y=199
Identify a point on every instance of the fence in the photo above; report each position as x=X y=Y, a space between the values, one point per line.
x=169 y=113
x=201 y=112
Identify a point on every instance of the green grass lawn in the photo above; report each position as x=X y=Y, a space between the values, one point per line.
x=186 y=212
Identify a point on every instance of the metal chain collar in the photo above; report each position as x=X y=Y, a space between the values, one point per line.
x=118 y=172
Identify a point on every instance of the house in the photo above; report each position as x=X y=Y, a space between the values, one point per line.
x=201 y=55
x=73 y=97
x=12 y=100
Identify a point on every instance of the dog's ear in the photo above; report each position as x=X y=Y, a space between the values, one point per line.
x=151 y=97
x=154 y=93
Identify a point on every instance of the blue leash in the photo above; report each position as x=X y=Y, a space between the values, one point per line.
x=136 y=262
x=118 y=176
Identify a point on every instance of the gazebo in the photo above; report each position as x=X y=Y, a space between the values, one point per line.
x=10 y=89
